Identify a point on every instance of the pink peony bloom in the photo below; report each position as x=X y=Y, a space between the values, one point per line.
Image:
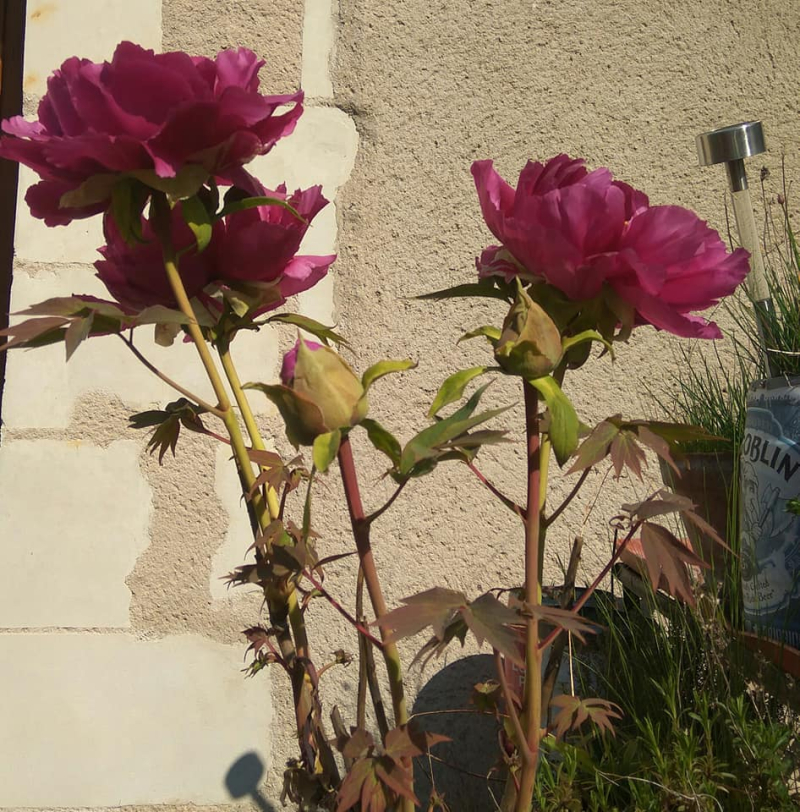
x=150 y=115
x=260 y=244
x=135 y=275
x=581 y=230
x=290 y=360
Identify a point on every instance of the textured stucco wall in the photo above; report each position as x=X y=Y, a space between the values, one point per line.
x=402 y=97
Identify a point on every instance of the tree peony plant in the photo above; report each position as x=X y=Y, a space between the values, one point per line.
x=146 y=140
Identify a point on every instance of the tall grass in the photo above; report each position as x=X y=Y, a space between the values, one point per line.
x=705 y=727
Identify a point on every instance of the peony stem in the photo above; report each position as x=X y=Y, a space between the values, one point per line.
x=361 y=534
x=532 y=702
x=249 y=420
x=167 y=380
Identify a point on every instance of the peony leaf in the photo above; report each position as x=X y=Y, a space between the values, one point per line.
x=596 y=446
x=382 y=439
x=198 y=220
x=326 y=447
x=564 y=423
x=491 y=288
x=232 y=206
x=453 y=388
x=491 y=333
x=587 y=335
x=382 y=368
x=320 y=331
x=575 y=711
x=667 y=560
x=434 y=607
x=627 y=453
x=34 y=332
x=77 y=331
x=128 y=199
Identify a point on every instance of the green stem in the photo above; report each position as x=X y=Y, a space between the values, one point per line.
x=532 y=702
x=361 y=534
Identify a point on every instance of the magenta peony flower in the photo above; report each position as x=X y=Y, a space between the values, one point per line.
x=153 y=116
x=290 y=360
x=260 y=244
x=135 y=275
x=581 y=230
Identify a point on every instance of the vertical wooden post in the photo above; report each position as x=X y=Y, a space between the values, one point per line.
x=12 y=39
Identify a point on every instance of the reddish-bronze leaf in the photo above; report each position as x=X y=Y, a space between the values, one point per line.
x=409 y=741
x=258 y=638
x=659 y=504
x=596 y=446
x=565 y=618
x=658 y=445
x=627 y=453
x=575 y=711
x=350 y=791
x=357 y=745
x=434 y=607
x=486 y=696
x=493 y=621
x=666 y=556
x=31 y=329
x=396 y=778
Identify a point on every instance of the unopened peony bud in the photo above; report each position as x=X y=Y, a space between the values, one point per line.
x=530 y=343
x=320 y=393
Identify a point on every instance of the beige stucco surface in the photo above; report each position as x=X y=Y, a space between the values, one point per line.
x=402 y=98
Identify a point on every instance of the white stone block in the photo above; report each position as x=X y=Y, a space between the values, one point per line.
x=319 y=37
x=41 y=388
x=91 y=29
x=36 y=242
x=107 y=720
x=74 y=519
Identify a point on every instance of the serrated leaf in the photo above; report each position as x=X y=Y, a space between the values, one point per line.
x=316 y=328
x=667 y=557
x=627 y=453
x=326 y=447
x=575 y=711
x=199 y=221
x=410 y=741
x=77 y=331
x=492 y=621
x=453 y=388
x=382 y=439
x=382 y=368
x=434 y=607
x=595 y=447
x=488 y=331
x=232 y=206
x=564 y=424
x=31 y=330
x=565 y=619
x=658 y=445
x=425 y=445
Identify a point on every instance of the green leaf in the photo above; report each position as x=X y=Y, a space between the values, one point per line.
x=575 y=711
x=382 y=439
x=323 y=333
x=453 y=388
x=232 y=206
x=426 y=444
x=587 y=335
x=128 y=199
x=199 y=220
x=492 y=288
x=382 y=368
x=326 y=447
x=186 y=183
x=564 y=424
x=489 y=331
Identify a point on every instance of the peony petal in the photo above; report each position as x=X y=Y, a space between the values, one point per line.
x=495 y=195
x=654 y=311
x=237 y=68
x=304 y=272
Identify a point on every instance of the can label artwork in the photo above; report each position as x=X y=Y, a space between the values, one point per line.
x=769 y=477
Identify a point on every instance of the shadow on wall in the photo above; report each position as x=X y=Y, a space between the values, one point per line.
x=243 y=778
x=474 y=738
